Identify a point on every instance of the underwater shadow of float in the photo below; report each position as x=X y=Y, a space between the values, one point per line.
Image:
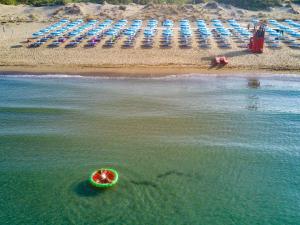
x=84 y=189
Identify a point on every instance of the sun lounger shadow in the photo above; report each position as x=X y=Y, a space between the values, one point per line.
x=165 y=46
x=229 y=55
x=16 y=46
x=239 y=41
x=52 y=46
x=204 y=45
x=185 y=46
x=295 y=47
x=275 y=47
x=213 y=65
x=107 y=46
x=33 y=46
x=243 y=46
x=24 y=42
x=127 y=46
x=87 y=46
x=165 y=41
x=225 y=46
x=146 y=46
x=70 y=46
x=220 y=42
x=184 y=42
x=203 y=40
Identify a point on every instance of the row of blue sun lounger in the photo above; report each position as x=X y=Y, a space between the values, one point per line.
x=76 y=31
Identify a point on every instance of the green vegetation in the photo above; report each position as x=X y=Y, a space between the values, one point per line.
x=253 y=4
x=8 y=2
x=248 y=4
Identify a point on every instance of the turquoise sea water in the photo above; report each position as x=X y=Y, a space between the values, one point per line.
x=189 y=150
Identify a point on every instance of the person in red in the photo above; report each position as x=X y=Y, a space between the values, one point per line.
x=103 y=177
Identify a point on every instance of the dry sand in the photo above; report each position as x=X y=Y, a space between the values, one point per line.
x=15 y=57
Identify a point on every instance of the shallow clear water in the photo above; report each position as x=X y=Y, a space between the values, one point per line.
x=191 y=150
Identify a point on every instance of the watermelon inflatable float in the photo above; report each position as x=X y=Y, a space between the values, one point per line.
x=104 y=178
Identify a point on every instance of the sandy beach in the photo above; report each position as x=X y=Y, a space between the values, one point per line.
x=15 y=57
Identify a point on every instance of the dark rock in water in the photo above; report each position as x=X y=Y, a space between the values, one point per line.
x=253 y=83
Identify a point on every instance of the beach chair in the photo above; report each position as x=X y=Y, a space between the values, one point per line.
x=44 y=39
x=79 y=39
x=62 y=39
x=204 y=46
x=109 y=43
x=54 y=44
x=274 y=45
x=224 y=44
x=50 y=36
x=289 y=41
x=185 y=42
x=166 y=44
x=72 y=44
x=295 y=45
x=147 y=43
x=35 y=44
x=91 y=44
x=243 y=45
x=187 y=45
x=129 y=43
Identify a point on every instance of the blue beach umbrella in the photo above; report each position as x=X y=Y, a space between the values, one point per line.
x=37 y=34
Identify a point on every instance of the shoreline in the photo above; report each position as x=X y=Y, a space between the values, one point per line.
x=140 y=70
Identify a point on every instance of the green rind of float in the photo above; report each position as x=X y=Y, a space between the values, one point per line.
x=104 y=185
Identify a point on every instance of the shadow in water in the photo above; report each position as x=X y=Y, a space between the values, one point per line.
x=253 y=83
x=145 y=183
x=84 y=189
x=169 y=173
x=187 y=175
x=253 y=103
x=253 y=99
